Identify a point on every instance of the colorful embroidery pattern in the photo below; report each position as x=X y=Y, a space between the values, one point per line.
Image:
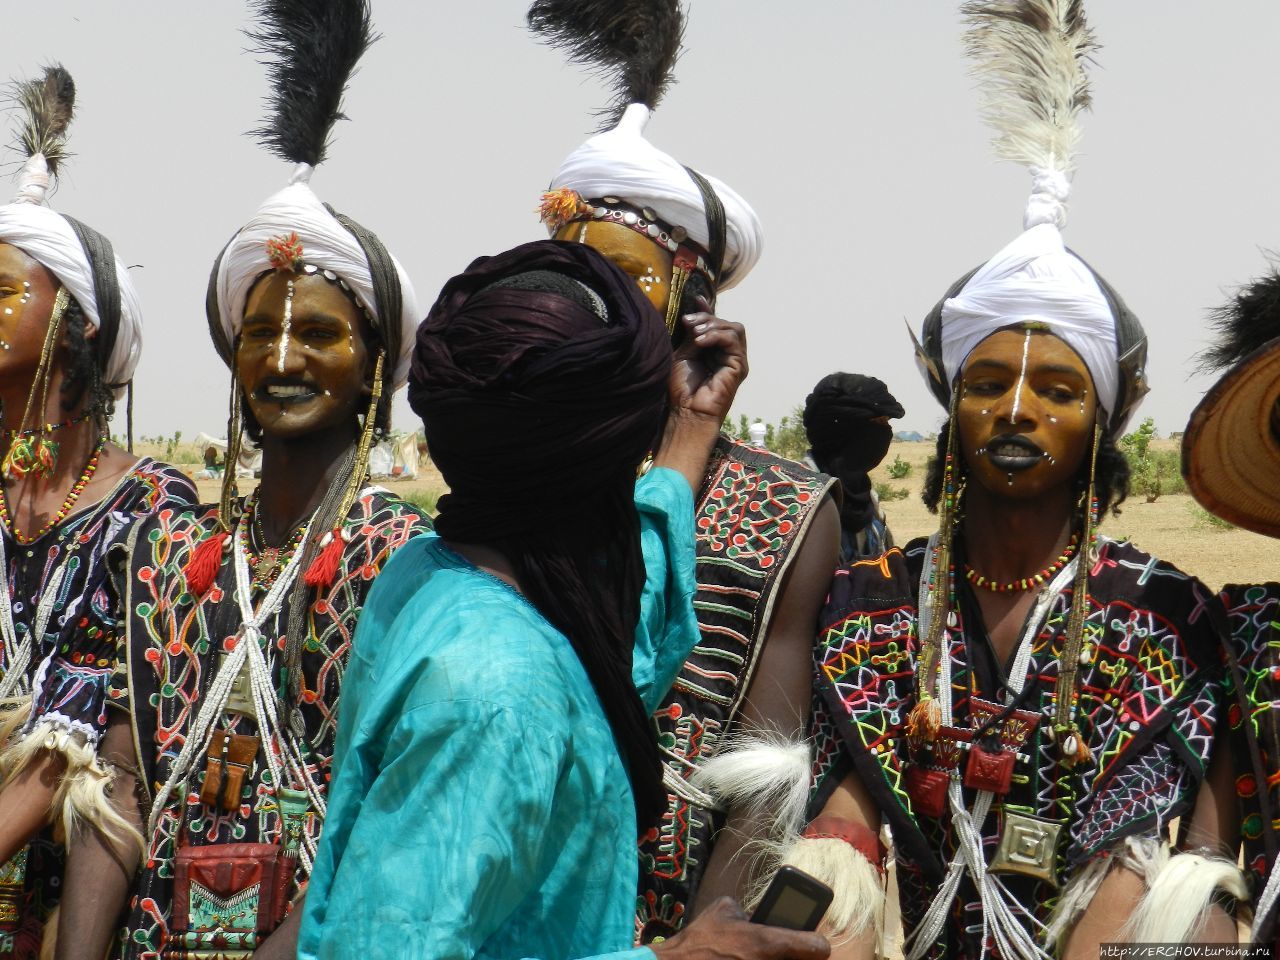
x=1148 y=703
x=753 y=509
x=170 y=655
x=1253 y=680
x=70 y=663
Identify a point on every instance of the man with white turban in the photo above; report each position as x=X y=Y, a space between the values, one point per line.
x=70 y=336
x=241 y=613
x=1026 y=703
x=767 y=528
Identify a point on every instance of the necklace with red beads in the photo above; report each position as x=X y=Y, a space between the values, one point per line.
x=1025 y=583
x=77 y=488
x=266 y=561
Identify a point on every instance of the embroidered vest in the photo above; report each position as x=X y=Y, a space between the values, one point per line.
x=754 y=508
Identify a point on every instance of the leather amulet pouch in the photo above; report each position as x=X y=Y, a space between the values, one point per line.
x=228 y=894
x=927 y=789
x=990 y=770
x=229 y=760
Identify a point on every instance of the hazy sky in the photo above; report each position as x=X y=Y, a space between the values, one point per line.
x=851 y=126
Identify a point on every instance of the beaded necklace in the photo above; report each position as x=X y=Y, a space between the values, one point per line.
x=49 y=427
x=265 y=560
x=77 y=488
x=1032 y=582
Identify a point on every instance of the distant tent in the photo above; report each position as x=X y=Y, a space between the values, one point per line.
x=396 y=456
x=910 y=436
x=250 y=456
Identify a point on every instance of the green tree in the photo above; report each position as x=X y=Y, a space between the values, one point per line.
x=1145 y=468
x=790 y=440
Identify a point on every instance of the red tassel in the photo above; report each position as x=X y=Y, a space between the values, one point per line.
x=324 y=568
x=206 y=559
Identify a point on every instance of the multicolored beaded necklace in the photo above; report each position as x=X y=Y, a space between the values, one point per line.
x=1025 y=583
x=50 y=427
x=77 y=488
x=266 y=561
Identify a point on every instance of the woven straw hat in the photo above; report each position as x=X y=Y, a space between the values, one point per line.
x=1231 y=448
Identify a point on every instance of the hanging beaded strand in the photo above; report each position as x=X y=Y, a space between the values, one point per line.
x=206 y=557
x=1070 y=740
x=33 y=452
x=925 y=718
x=324 y=567
x=51 y=427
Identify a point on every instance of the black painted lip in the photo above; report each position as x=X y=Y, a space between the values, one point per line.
x=1031 y=453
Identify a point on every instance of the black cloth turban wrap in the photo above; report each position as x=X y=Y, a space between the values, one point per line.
x=537 y=413
x=845 y=439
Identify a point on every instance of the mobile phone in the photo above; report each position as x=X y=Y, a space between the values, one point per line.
x=793 y=901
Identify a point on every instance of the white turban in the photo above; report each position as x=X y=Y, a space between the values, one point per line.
x=327 y=244
x=1035 y=279
x=622 y=163
x=47 y=237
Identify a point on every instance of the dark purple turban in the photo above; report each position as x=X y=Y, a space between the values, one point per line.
x=541 y=379
x=532 y=403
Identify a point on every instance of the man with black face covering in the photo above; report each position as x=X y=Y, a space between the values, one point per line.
x=847 y=421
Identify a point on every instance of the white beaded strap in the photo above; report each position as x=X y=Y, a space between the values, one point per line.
x=18 y=655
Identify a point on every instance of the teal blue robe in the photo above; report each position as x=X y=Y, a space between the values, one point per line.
x=480 y=807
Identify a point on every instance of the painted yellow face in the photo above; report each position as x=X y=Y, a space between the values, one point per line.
x=27 y=293
x=302 y=357
x=637 y=256
x=1026 y=413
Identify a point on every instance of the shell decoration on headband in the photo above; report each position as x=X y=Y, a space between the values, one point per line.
x=284 y=253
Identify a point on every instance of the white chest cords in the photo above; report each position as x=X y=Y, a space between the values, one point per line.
x=247 y=650
x=17 y=654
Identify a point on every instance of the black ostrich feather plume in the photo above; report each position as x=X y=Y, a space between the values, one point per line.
x=310 y=49
x=48 y=105
x=634 y=44
x=1244 y=323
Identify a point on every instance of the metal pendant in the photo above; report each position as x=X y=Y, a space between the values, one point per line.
x=297 y=724
x=1028 y=846
x=240 y=699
